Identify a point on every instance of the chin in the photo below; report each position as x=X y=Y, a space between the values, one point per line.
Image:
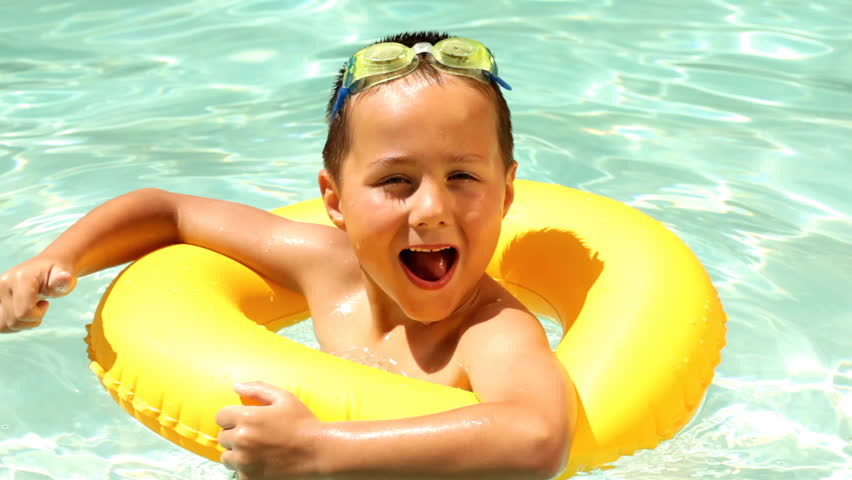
x=425 y=318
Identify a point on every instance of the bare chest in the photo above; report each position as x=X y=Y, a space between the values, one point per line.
x=345 y=328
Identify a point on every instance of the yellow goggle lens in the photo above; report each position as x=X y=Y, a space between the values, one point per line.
x=382 y=62
x=379 y=59
x=462 y=53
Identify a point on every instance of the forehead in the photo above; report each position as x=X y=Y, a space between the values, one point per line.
x=417 y=115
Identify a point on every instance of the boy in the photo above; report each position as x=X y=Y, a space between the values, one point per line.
x=418 y=177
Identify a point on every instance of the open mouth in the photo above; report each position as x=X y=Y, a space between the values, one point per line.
x=429 y=267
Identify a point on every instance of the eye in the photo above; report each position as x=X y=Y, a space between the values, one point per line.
x=392 y=180
x=395 y=185
x=461 y=176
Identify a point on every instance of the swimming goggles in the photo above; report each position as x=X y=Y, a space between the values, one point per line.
x=386 y=61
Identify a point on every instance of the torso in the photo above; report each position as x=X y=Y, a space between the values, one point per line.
x=344 y=326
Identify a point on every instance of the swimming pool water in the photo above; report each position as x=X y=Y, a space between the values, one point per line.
x=728 y=121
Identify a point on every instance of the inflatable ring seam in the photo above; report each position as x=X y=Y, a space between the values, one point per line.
x=125 y=396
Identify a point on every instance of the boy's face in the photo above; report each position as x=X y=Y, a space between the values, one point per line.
x=423 y=172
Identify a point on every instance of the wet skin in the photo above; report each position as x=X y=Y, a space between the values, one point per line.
x=424 y=170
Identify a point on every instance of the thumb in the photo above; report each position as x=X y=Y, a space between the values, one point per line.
x=59 y=282
x=259 y=393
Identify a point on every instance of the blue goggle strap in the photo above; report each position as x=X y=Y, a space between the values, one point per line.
x=338 y=104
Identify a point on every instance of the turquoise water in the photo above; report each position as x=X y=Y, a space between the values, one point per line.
x=728 y=121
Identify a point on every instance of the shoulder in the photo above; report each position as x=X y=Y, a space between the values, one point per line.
x=317 y=254
x=507 y=357
x=499 y=327
x=289 y=252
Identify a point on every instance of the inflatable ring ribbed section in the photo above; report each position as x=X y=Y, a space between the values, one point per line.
x=643 y=330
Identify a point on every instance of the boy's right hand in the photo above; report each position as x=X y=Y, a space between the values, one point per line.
x=23 y=289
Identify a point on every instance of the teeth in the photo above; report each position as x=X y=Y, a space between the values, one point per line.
x=421 y=249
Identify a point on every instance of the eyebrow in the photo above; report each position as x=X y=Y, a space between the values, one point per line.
x=391 y=160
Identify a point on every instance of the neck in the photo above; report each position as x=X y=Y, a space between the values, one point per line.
x=386 y=315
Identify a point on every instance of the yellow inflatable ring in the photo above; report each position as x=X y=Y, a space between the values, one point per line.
x=644 y=329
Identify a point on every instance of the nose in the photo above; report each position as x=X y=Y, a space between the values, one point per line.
x=429 y=206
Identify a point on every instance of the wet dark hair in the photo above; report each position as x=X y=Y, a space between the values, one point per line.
x=338 y=141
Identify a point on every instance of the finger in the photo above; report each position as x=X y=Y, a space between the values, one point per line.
x=226 y=438
x=235 y=462
x=25 y=303
x=227 y=417
x=5 y=307
x=260 y=394
x=225 y=459
x=59 y=282
x=33 y=317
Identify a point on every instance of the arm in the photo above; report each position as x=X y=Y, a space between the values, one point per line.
x=521 y=428
x=131 y=225
x=142 y=221
x=113 y=233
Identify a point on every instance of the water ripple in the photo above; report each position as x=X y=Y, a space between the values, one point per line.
x=727 y=121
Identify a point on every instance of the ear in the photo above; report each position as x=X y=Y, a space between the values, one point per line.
x=331 y=199
x=510 y=188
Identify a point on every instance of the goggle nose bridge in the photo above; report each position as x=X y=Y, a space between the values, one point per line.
x=422 y=47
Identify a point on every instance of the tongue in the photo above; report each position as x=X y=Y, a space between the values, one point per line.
x=430 y=266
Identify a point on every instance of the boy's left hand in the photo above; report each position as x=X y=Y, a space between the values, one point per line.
x=269 y=437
